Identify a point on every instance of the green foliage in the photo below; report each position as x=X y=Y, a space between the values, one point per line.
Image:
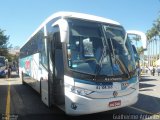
x=4 y=46
x=136 y=38
x=3 y=43
x=155 y=29
x=11 y=57
x=140 y=50
x=153 y=35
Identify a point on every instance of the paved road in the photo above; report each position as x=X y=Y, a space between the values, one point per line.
x=25 y=104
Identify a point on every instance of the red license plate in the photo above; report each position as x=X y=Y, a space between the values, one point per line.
x=114 y=103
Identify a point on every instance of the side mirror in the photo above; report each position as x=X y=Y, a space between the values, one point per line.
x=136 y=56
x=141 y=35
x=63 y=25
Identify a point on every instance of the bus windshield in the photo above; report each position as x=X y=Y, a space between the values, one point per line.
x=98 y=49
x=2 y=61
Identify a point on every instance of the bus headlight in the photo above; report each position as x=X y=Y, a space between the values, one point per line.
x=80 y=91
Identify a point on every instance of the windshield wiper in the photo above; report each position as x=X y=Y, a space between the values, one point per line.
x=123 y=67
x=99 y=64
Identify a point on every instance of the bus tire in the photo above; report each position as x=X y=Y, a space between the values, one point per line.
x=22 y=78
x=40 y=87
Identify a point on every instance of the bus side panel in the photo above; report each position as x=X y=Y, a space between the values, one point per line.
x=44 y=87
x=30 y=68
x=35 y=75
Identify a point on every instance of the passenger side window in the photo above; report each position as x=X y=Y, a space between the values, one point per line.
x=44 y=59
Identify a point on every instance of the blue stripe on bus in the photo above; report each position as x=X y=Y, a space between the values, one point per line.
x=130 y=81
x=93 y=83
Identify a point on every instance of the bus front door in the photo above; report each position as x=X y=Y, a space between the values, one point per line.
x=57 y=69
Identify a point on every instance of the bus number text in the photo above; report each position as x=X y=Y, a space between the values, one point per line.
x=104 y=87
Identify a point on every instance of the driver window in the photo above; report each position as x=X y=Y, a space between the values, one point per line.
x=88 y=48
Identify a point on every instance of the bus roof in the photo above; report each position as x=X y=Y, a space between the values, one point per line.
x=81 y=16
x=74 y=15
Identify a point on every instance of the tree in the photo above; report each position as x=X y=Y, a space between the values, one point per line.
x=152 y=36
x=140 y=50
x=3 y=43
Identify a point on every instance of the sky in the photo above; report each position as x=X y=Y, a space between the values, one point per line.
x=20 y=18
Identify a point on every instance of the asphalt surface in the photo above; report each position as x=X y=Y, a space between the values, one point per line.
x=21 y=102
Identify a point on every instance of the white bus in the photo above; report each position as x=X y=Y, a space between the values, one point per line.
x=82 y=63
x=141 y=42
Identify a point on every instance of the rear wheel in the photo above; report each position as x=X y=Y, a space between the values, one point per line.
x=21 y=77
x=40 y=87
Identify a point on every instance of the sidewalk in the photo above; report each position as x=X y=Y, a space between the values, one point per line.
x=150 y=85
x=150 y=75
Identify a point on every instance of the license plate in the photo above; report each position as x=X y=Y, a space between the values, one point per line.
x=115 y=103
x=101 y=87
